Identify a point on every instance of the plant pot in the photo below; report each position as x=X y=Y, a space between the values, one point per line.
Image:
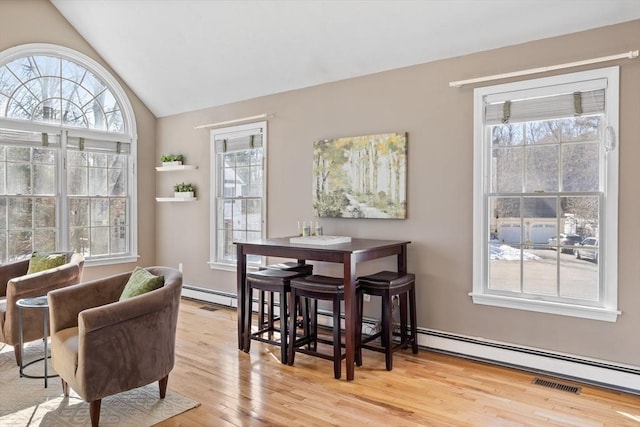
x=183 y=194
x=176 y=163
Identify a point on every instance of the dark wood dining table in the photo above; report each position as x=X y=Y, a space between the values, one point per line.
x=347 y=254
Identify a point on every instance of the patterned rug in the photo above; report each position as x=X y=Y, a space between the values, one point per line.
x=25 y=401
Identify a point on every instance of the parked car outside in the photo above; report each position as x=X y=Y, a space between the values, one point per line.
x=587 y=249
x=565 y=240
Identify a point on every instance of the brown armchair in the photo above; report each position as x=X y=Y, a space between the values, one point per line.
x=16 y=284
x=101 y=346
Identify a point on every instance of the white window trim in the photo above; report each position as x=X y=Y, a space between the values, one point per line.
x=609 y=236
x=130 y=135
x=237 y=131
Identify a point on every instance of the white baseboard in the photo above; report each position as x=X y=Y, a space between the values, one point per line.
x=207 y=295
x=579 y=368
x=598 y=372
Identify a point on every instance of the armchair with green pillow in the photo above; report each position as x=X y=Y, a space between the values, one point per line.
x=33 y=277
x=115 y=334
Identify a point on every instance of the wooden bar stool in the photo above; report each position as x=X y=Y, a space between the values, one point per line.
x=388 y=284
x=300 y=267
x=316 y=288
x=270 y=281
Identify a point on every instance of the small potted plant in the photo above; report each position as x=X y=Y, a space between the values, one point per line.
x=183 y=190
x=171 y=159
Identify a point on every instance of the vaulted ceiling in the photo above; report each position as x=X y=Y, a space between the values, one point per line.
x=184 y=55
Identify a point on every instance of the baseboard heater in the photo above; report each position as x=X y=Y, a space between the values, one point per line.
x=625 y=378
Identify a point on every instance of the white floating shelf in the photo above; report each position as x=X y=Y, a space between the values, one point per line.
x=176 y=199
x=175 y=168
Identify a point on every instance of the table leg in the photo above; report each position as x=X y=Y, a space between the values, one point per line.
x=241 y=272
x=46 y=336
x=20 y=338
x=350 y=313
x=402 y=260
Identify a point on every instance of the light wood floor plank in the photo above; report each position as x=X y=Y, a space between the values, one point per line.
x=428 y=389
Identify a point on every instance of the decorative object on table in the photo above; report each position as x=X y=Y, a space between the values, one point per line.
x=361 y=177
x=307 y=229
x=25 y=402
x=183 y=190
x=101 y=346
x=16 y=284
x=171 y=159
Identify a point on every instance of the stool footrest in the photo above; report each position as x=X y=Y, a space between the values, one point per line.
x=265 y=340
x=381 y=349
x=265 y=330
x=318 y=354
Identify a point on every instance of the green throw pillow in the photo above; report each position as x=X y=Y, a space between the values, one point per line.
x=141 y=282
x=43 y=261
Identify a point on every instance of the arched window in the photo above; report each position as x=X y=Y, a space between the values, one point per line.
x=67 y=155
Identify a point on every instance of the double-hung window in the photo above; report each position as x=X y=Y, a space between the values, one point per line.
x=67 y=156
x=239 y=178
x=546 y=196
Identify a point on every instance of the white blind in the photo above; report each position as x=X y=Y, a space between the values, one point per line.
x=32 y=139
x=225 y=145
x=91 y=144
x=545 y=108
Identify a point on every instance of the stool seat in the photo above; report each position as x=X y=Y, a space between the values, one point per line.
x=317 y=283
x=387 y=279
x=275 y=278
x=388 y=284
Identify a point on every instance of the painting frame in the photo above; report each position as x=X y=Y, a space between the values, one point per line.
x=361 y=176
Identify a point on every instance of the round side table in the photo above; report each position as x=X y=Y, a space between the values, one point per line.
x=39 y=303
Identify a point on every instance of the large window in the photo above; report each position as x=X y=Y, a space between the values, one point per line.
x=67 y=155
x=545 y=195
x=239 y=178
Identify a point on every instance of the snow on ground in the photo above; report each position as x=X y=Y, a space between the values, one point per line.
x=507 y=253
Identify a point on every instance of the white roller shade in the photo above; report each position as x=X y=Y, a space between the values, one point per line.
x=225 y=145
x=545 y=108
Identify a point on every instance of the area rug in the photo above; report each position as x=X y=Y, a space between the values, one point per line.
x=25 y=401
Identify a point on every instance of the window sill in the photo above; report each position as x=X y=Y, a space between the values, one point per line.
x=229 y=267
x=585 y=312
x=110 y=261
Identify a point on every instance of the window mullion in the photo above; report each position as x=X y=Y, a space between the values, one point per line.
x=63 y=199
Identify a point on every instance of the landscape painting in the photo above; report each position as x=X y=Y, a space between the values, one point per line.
x=361 y=177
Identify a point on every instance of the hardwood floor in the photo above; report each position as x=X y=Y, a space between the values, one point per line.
x=430 y=389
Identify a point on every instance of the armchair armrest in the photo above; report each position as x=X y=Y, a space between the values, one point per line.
x=38 y=284
x=65 y=304
x=127 y=311
x=11 y=270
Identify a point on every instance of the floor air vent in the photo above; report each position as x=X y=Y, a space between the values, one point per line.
x=208 y=308
x=556 y=385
